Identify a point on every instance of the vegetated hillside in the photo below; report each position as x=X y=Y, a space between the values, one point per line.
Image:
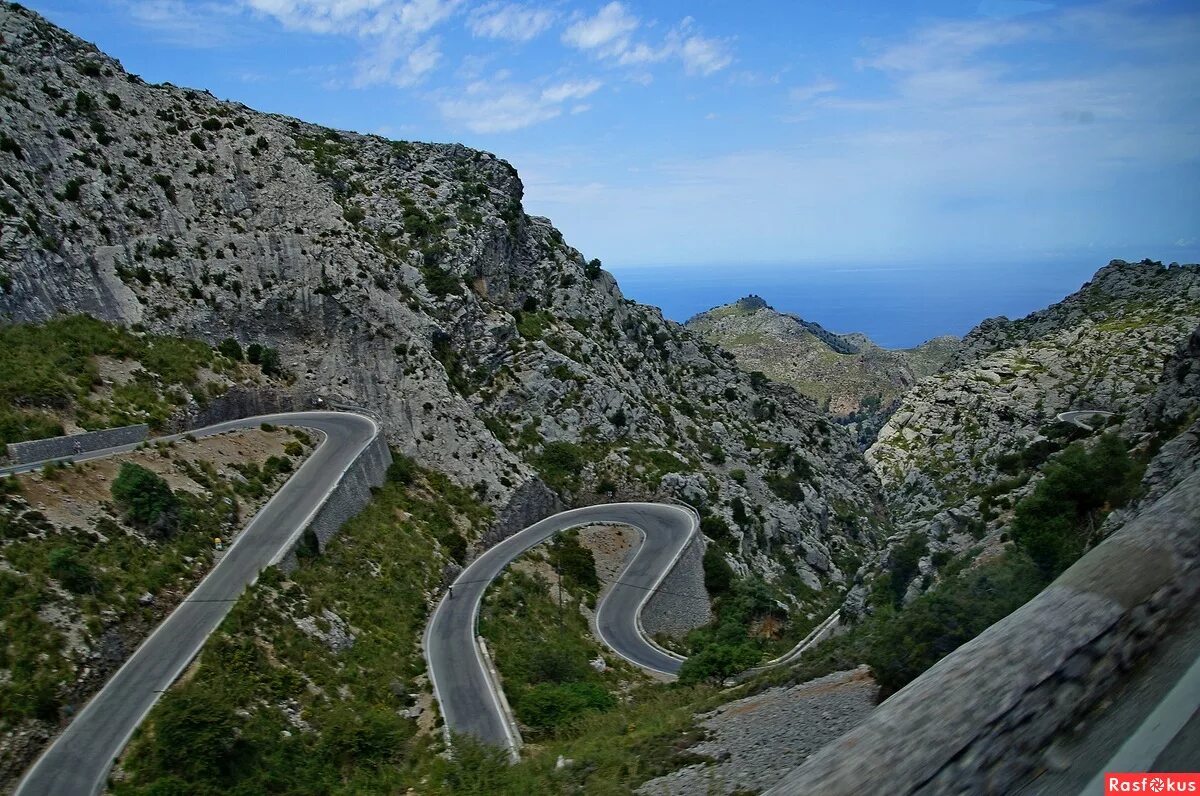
x=77 y=373
x=407 y=278
x=963 y=446
x=94 y=555
x=855 y=380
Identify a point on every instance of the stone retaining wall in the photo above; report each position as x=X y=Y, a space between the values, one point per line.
x=981 y=719
x=681 y=603
x=348 y=498
x=37 y=450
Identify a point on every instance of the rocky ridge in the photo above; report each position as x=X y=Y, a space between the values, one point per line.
x=952 y=456
x=404 y=277
x=858 y=382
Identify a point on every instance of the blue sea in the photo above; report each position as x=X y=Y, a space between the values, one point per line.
x=897 y=306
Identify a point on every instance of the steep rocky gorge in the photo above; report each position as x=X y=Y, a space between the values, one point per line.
x=404 y=277
x=963 y=446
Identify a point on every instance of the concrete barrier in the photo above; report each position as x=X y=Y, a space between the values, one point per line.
x=680 y=603
x=981 y=718
x=348 y=498
x=37 y=450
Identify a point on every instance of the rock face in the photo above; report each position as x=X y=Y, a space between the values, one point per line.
x=405 y=278
x=1103 y=348
x=855 y=380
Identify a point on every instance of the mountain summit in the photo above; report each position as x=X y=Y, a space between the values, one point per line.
x=850 y=376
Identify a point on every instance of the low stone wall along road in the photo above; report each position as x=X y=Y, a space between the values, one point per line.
x=470 y=699
x=77 y=763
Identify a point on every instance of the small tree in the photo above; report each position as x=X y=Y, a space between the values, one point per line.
x=146 y=500
x=592 y=269
x=74 y=575
x=231 y=348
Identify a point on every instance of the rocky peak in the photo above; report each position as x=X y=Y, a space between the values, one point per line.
x=855 y=380
x=751 y=303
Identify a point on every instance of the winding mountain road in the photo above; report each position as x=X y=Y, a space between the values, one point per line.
x=78 y=761
x=471 y=701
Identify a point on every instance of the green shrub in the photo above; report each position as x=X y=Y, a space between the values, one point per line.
x=574 y=562
x=550 y=705
x=231 y=348
x=67 y=568
x=715 y=528
x=402 y=470
x=592 y=269
x=906 y=643
x=718 y=575
x=146 y=500
x=1056 y=523
x=440 y=282
x=560 y=464
x=196 y=733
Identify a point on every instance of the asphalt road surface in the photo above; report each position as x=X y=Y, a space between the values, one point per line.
x=469 y=703
x=79 y=760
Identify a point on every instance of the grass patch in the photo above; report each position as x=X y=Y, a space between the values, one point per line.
x=49 y=370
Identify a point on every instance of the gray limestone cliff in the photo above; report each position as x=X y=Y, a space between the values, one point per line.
x=406 y=278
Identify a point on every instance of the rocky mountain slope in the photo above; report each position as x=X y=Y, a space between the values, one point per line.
x=855 y=380
x=404 y=277
x=960 y=448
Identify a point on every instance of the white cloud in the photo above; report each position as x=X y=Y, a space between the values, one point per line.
x=499 y=107
x=610 y=33
x=813 y=90
x=606 y=33
x=358 y=17
x=702 y=56
x=969 y=137
x=193 y=25
x=399 y=50
x=514 y=22
x=571 y=90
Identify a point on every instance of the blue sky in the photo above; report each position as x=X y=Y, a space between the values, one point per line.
x=724 y=133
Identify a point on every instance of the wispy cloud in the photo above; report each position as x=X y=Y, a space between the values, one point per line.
x=609 y=35
x=399 y=50
x=812 y=90
x=512 y=21
x=500 y=107
x=989 y=134
x=193 y=25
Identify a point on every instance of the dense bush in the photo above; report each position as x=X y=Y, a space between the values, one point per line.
x=575 y=563
x=936 y=623
x=146 y=500
x=560 y=463
x=592 y=269
x=72 y=573
x=726 y=647
x=231 y=348
x=550 y=705
x=1056 y=523
x=718 y=575
x=265 y=357
x=402 y=470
